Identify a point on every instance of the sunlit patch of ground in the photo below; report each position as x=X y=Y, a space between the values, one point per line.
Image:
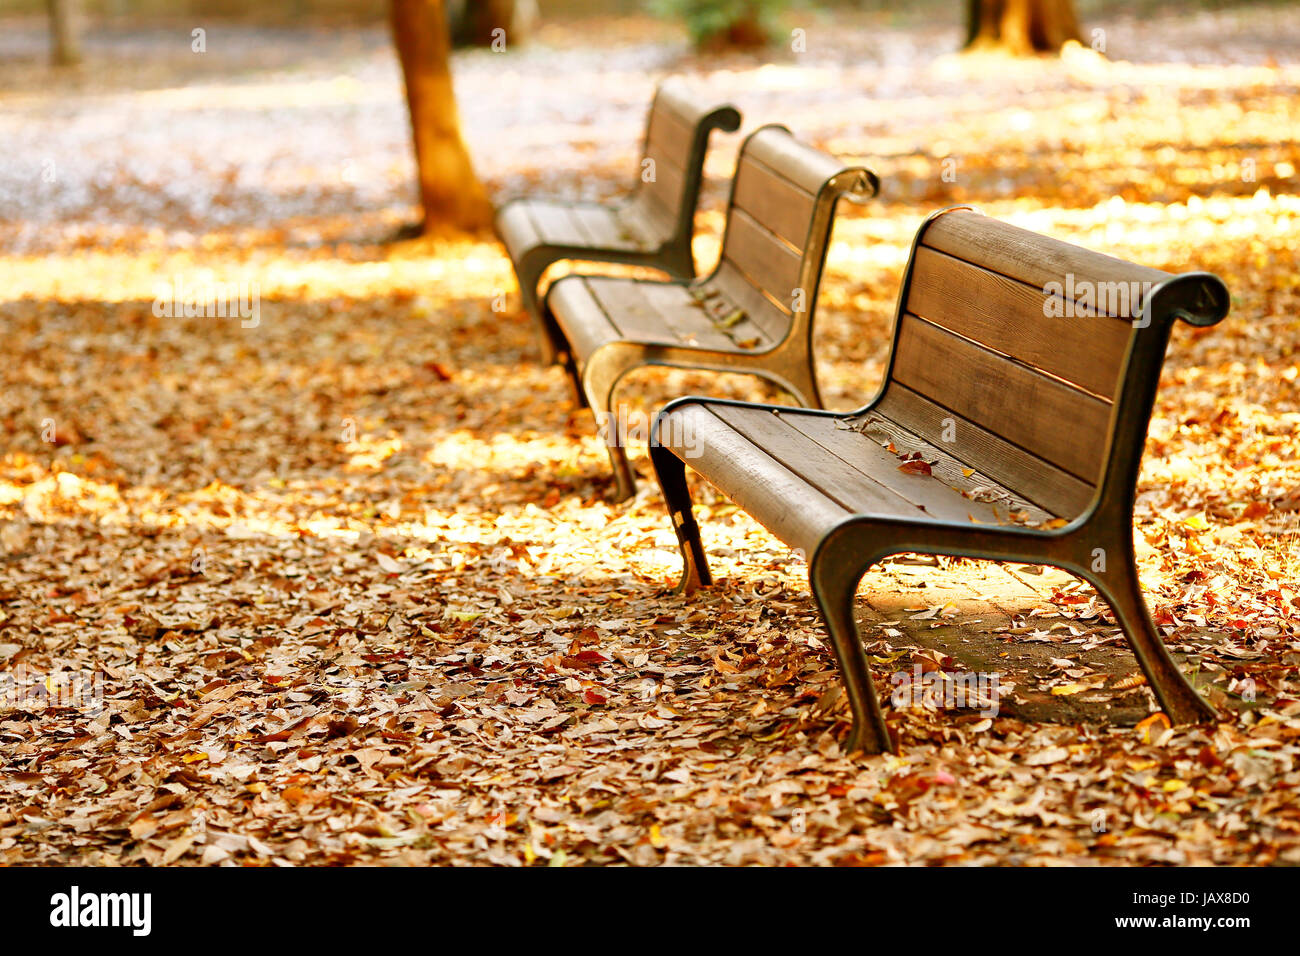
x=343 y=568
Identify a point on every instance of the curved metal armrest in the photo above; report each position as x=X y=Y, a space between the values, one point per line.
x=1198 y=298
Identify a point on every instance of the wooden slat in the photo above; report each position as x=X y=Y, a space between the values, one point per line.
x=1029 y=257
x=666 y=190
x=657 y=312
x=762 y=257
x=773 y=318
x=555 y=224
x=938 y=495
x=782 y=206
x=669 y=139
x=1044 y=416
x=686 y=317
x=774 y=496
x=584 y=322
x=679 y=100
x=1008 y=316
x=601 y=228
x=1033 y=479
x=803 y=165
x=516 y=229
x=872 y=484
x=645 y=220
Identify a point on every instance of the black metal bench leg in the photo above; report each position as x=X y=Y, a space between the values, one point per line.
x=671 y=472
x=598 y=380
x=570 y=366
x=624 y=476
x=562 y=355
x=834 y=583
x=529 y=274
x=1122 y=590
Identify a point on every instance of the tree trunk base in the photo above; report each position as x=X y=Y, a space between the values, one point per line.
x=1021 y=27
x=743 y=34
x=451 y=195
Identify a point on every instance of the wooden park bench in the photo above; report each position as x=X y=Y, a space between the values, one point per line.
x=1010 y=427
x=651 y=227
x=753 y=313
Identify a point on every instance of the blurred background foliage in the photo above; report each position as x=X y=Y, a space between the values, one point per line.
x=724 y=23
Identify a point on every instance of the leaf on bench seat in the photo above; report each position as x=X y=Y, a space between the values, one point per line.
x=916 y=467
x=702 y=295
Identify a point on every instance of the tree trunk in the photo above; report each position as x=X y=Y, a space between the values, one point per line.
x=452 y=196
x=65 y=32
x=1021 y=27
x=475 y=22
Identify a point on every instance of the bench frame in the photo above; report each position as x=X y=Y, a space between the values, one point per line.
x=672 y=256
x=788 y=363
x=847 y=552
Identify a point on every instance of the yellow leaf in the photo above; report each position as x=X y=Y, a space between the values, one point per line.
x=1144 y=728
x=1197 y=522
x=193 y=757
x=1065 y=690
x=656 y=837
x=1173 y=785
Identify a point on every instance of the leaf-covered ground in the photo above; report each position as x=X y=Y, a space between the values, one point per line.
x=348 y=580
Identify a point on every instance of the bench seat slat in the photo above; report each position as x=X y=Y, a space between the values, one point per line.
x=821 y=462
x=781 y=437
x=772 y=317
x=555 y=223
x=515 y=226
x=654 y=312
x=1055 y=491
x=530 y=222
x=948 y=494
x=859 y=473
x=1042 y=415
x=778 y=498
x=586 y=325
x=684 y=315
x=1086 y=351
x=600 y=226
x=643 y=219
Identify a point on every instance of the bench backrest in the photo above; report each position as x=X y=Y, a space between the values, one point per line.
x=672 y=159
x=1033 y=360
x=778 y=227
